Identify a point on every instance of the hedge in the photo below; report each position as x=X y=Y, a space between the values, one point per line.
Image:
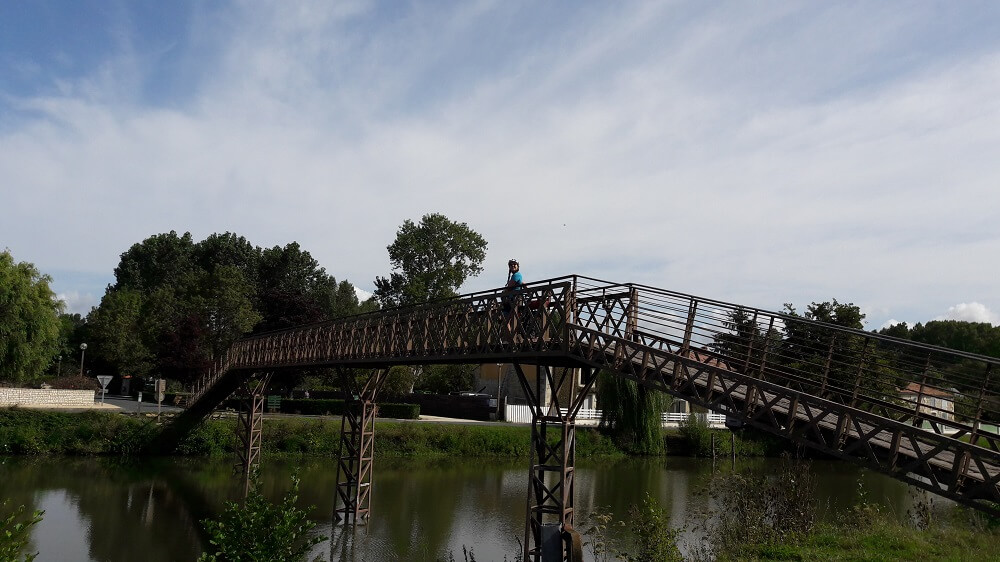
x=335 y=407
x=399 y=411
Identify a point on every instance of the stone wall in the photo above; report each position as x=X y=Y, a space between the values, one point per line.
x=46 y=397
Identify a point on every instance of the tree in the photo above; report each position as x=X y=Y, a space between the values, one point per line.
x=836 y=361
x=225 y=302
x=430 y=261
x=814 y=348
x=118 y=324
x=178 y=305
x=29 y=320
x=632 y=413
x=745 y=343
x=295 y=290
x=160 y=260
x=442 y=379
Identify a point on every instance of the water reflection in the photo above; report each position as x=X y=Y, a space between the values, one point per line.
x=103 y=510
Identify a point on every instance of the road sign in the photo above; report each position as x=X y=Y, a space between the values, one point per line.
x=104 y=380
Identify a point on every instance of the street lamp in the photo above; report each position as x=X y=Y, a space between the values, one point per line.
x=83 y=351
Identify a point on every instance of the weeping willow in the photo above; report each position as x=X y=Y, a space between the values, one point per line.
x=631 y=413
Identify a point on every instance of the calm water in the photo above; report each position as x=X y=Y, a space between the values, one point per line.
x=103 y=510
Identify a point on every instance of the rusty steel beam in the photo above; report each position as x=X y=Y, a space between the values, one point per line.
x=249 y=427
x=357 y=445
x=552 y=472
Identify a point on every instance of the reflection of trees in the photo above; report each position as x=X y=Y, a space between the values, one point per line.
x=128 y=513
x=401 y=504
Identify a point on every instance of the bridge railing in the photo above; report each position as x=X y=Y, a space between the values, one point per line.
x=530 y=319
x=946 y=391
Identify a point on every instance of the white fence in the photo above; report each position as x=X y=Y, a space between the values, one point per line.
x=521 y=413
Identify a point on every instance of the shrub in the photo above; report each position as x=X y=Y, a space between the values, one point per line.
x=697 y=436
x=260 y=530
x=211 y=438
x=15 y=531
x=657 y=539
x=763 y=509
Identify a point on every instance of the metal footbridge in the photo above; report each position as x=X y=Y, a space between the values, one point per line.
x=921 y=414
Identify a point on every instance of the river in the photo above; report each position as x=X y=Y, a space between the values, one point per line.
x=106 y=510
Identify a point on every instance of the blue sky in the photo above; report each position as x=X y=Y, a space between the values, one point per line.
x=751 y=152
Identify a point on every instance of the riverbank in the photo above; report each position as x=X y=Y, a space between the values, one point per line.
x=33 y=432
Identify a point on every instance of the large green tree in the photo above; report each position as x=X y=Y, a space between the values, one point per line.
x=29 y=320
x=177 y=304
x=815 y=347
x=430 y=260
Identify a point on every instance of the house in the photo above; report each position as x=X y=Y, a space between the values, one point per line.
x=933 y=401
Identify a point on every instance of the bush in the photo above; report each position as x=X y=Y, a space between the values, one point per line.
x=260 y=530
x=696 y=440
x=210 y=438
x=763 y=509
x=657 y=539
x=15 y=532
x=697 y=436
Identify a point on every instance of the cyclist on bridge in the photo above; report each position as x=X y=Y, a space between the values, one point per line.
x=512 y=292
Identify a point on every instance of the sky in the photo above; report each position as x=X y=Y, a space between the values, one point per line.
x=758 y=153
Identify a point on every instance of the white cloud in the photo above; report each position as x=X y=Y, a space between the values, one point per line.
x=77 y=303
x=890 y=323
x=971 y=312
x=742 y=153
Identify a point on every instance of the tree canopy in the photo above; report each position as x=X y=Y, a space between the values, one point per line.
x=29 y=320
x=973 y=337
x=430 y=260
x=177 y=304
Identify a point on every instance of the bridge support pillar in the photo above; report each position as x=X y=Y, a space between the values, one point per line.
x=551 y=480
x=250 y=425
x=357 y=442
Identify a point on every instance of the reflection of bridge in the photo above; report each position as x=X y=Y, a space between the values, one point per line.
x=836 y=390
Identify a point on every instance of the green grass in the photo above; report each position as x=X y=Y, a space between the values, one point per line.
x=883 y=541
x=33 y=432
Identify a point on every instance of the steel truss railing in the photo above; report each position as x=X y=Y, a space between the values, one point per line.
x=920 y=413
